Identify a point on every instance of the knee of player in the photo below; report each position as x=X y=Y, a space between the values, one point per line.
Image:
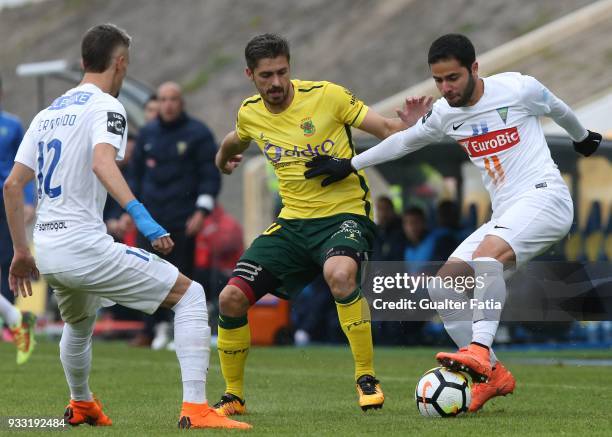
x=436 y=289
x=340 y=278
x=487 y=265
x=233 y=302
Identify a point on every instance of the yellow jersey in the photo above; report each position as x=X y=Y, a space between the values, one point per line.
x=317 y=122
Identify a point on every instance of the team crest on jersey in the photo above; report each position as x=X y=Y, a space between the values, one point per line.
x=115 y=123
x=308 y=127
x=181 y=147
x=503 y=113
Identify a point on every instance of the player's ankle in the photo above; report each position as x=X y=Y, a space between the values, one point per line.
x=484 y=346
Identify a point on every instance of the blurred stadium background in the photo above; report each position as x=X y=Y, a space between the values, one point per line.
x=378 y=50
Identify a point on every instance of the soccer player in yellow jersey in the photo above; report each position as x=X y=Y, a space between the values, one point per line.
x=319 y=229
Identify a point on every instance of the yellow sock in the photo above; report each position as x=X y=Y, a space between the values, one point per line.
x=355 y=319
x=233 y=345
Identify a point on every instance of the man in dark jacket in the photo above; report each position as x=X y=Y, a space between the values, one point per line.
x=173 y=173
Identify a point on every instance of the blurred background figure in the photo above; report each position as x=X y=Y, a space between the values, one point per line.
x=151 y=109
x=448 y=232
x=390 y=242
x=11 y=133
x=19 y=327
x=219 y=245
x=425 y=244
x=172 y=171
x=418 y=246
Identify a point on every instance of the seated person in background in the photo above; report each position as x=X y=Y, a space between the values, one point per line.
x=421 y=242
x=390 y=241
x=219 y=245
x=449 y=233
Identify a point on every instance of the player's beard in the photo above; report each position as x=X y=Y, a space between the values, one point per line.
x=467 y=93
x=278 y=99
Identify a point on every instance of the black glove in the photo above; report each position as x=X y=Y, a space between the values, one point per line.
x=589 y=145
x=336 y=168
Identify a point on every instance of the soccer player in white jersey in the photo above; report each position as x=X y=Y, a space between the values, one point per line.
x=70 y=149
x=495 y=120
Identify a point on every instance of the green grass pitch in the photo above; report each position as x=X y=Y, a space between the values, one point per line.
x=310 y=391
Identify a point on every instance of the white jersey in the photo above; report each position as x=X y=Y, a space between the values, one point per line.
x=501 y=135
x=69 y=232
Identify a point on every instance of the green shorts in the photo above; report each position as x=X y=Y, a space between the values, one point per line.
x=294 y=251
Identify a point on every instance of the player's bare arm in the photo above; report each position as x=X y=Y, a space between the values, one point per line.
x=229 y=155
x=105 y=168
x=23 y=267
x=382 y=127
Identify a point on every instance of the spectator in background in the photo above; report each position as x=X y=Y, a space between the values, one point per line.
x=20 y=325
x=390 y=242
x=219 y=245
x=151 y=109
x=173 y=172
x=423 y=244
x=418 y=247
x=11 y=133
x=448 y=234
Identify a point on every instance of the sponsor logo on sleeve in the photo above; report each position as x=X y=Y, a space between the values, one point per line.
x=491 y=142
x=115 y=123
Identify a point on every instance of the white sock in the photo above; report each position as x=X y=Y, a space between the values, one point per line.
x=491 y=273
x=75 y=354
x=483 y=332
x=461 y=333
x=8 y=312
x=458 y=323
x=192 y=342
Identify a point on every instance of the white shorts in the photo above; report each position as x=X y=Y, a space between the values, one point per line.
x=535 y=221
x=128 y=276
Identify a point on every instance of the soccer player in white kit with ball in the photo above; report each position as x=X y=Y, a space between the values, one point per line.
x=70 y=149
x=495 y=120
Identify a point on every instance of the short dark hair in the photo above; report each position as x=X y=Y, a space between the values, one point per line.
x=385 y=199
x=99 y=44
x=416 y=211
x=452 y=46
x=448 y=214
x=268 y=45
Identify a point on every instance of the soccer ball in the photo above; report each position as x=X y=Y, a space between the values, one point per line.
x=442 y=393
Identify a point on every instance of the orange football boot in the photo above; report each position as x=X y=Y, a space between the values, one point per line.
x=501 y=383
x=203 y=416
x=89 y=412
x=474 y=360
